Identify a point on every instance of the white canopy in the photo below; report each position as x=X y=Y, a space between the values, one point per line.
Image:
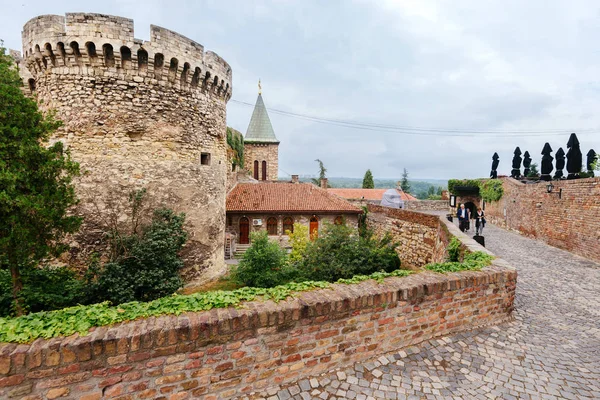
x=391 y=198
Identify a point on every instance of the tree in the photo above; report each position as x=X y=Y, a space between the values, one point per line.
x=322 y=172
x=533 y=171
x=36 y=188
x=368 y=180
x=404 y=184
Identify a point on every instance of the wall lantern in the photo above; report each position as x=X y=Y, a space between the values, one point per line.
x=550 y=189
x=452 y=200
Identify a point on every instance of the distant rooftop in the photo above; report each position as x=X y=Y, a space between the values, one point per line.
x=260 y=129
x=368 y=194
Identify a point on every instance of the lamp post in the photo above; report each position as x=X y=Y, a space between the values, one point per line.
x=550 y=189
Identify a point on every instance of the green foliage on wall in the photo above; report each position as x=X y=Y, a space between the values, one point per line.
x=472 y=262
x=489 y=189
x=235 y=141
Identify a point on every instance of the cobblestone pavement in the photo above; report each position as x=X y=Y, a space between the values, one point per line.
x=550 y=351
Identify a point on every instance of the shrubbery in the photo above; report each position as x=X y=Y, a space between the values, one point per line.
x=145 y=265
x=263 y=264
x=45 y=288
x=339 y=253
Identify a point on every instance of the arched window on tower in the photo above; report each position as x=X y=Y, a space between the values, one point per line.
x=61 y=50
x=125 y=57
x=109 y=55
x=173 y=69
x=76 y=52
x=90 y=48
x=264 y=170
x=255 y=169
x=159 y=62
x=184 y=74
x=31 y=84
x=142 y=56
x=196 y=77
x=50 y=53
x=272 y=226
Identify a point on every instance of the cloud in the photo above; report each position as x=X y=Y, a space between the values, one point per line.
x=468 y=65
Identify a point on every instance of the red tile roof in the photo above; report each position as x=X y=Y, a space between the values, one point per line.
x=368 y=194
x=285 y=197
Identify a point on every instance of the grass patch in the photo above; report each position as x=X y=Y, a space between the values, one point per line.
x=471 y=262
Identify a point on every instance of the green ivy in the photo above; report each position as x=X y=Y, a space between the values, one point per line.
x=79 y=319
x=235 y=141
x=489 y=189
x=472 y=262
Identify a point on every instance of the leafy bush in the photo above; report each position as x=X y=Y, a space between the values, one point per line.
x=453 y=249
x=454 y=183
x=338 y=253
x=263 y=264
x=80 y=319
x=145 y=265
x=472 y=262
x=45 y=288
x=298 y=240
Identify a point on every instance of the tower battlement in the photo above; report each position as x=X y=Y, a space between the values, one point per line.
x=104 y=45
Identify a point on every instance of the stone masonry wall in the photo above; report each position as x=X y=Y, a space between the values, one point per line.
x=136 y=115
x=262 y=152
x=571 y=222
x=427 y=205
x=423 y=238
x=228 y=353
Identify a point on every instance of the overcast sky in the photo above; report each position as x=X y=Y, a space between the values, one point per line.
x=506 y=66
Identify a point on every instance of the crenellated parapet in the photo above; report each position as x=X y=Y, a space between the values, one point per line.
x=104 y=45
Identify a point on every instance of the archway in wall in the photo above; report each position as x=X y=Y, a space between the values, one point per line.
x=244 y=230
x=471 y=207
x=314 y=228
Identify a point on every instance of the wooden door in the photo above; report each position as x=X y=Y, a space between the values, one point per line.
x=244 y=230
x=314 y=228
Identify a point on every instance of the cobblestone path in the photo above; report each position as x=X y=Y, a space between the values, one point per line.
x=550 y=351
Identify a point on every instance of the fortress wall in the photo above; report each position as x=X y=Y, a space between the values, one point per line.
x=423 y=238
x=136 y=114
x=230 y=353
x=570 y=221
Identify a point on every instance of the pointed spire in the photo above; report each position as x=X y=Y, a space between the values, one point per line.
x=260 y=129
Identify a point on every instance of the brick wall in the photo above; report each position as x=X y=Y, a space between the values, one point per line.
x=227 y=353
x=571 y=222
x=423 y=238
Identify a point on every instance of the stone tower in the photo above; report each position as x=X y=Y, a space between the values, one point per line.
x=137 y=114
x=261 y=147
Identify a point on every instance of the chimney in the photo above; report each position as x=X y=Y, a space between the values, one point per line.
x=324 y=183
x=295 y=179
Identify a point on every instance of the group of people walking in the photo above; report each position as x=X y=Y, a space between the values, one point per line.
x=464 y=219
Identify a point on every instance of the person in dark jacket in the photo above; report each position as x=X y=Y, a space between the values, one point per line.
x=463 y=218
x=479 y=221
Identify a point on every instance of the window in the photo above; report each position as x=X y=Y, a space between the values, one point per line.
x=142 y=56
x=196 y=77
x=50 y=54
x=205 y=158
x=90 y=47
x=272 y=226
x=109 y=56
x=125 y=56
x=159 y=61
x=288 y=225
x=173 y=69
x=339 y=220
x=76 y=52
x=62 y=51
x=264 y=170
x=256 y=169
x=184 y=75
x=31 y=84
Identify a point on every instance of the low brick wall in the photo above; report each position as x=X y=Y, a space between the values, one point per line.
x=226 y=353
x=571 y=222
x=423 y=238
